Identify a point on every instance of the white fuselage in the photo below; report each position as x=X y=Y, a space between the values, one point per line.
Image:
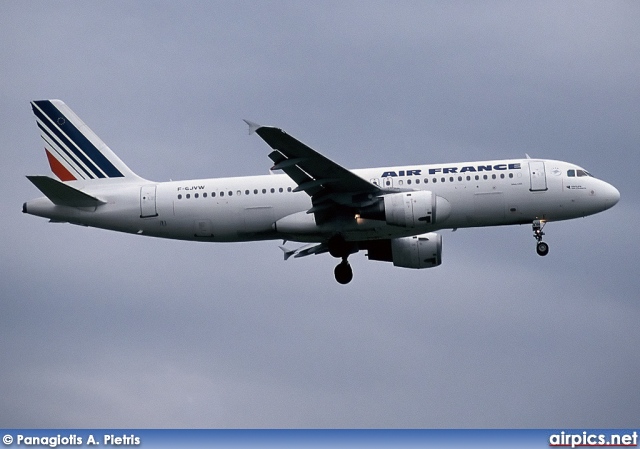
x=489 y=193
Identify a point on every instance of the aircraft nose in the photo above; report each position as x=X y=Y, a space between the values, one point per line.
x=611 y=195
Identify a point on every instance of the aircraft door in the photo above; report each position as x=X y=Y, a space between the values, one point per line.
x=148 y=201
x=538 y=176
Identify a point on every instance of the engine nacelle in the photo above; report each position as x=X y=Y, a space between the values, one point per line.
x=419 y=251
x=419 y=208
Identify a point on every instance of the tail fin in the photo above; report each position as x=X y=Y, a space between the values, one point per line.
x=73 y=150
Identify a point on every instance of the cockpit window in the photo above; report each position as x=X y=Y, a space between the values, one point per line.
x=579 y=173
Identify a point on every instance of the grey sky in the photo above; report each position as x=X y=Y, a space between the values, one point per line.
x=100 y=329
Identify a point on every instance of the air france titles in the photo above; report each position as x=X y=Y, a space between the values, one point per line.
x=447 y=170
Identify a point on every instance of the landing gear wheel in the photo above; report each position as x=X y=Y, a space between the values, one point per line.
x=343 y=272
x=542 y=248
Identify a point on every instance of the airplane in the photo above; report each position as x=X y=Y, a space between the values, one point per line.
x=392 y=213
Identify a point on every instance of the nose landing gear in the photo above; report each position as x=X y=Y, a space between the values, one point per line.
x=542 y=248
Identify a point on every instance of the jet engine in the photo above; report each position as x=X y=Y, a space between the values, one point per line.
x=418 y=251
x=410 y=209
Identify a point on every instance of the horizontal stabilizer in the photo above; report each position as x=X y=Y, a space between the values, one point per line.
x=63 y=195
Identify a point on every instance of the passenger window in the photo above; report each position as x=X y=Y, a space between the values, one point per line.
x=246 y=192
x=221 y=193
x=280 y=190
x=288 y=189
x=408 y=181
x=477 y=177
x=196 y=195
x=510 y=175
x=213 y=194
x=255 y=191
x=442 y=179
x=417 y=181
x=273 y=190
x=230 y=193
x=264 y=190
x=188 y=196
x=204 y=195
x=179 y=197
x=571 y=173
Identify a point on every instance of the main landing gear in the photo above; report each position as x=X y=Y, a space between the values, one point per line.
x=541 y=248
x=340 y=248
x=343 y=272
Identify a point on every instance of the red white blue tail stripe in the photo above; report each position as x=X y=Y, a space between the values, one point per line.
x=73 y=150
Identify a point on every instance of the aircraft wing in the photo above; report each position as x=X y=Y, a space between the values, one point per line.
x=328 y=184
x=313 y=172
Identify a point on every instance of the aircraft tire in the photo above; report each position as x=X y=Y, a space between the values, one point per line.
x=343 y=273
x=542 y=249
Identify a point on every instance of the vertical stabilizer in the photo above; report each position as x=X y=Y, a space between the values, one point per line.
x=73 y=150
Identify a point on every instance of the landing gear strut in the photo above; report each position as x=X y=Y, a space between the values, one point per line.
x=541 y=248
